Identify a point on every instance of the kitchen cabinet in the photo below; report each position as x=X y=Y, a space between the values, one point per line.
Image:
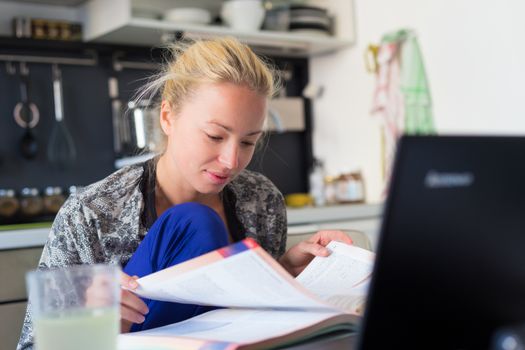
x=13 y=266
x=113 y=22
x=11 y=320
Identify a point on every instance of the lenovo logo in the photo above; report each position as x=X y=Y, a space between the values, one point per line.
x=435 y=179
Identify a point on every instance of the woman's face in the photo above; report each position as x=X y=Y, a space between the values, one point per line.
x=212 y=138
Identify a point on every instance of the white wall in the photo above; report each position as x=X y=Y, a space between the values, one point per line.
x=474 y=52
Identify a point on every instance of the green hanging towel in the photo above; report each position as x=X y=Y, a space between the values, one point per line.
x=413 y=85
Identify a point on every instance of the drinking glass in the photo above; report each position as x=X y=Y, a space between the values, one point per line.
x=75 y=307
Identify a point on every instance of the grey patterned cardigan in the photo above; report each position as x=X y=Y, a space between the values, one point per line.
x=102 y=223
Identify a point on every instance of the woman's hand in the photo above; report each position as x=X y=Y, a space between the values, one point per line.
x=132 y=308
x=300 y=255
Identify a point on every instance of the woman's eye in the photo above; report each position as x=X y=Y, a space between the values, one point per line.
x=248 y=143
x=214 y=138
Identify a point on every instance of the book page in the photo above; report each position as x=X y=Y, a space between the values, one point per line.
x=342 y=278
x=241 y=275
x=233 y=326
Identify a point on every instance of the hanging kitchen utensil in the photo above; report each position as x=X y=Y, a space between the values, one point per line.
x=61 y=149
x=26 y=115
x=121 y=128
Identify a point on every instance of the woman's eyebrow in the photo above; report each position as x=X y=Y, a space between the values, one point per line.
x=229 y=129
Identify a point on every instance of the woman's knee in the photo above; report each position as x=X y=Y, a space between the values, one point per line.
x=194 y=219
x=194 y=213
x=182 y=232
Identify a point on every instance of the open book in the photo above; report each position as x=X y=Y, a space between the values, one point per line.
x=264 y=305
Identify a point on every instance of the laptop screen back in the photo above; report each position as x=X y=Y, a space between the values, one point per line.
x=450 y=267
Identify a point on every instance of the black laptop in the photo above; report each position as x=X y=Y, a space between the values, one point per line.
x=450 y=268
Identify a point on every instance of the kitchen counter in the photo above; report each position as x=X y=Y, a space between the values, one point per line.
x=344 y=212
x=23 y=238
x=34 y=237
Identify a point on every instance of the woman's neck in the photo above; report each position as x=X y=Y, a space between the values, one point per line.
x=172 y=189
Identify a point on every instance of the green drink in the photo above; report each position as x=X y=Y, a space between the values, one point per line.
x=80 y=330
x=75 y=307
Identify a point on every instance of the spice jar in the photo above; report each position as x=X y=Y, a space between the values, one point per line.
x=8 y=203
x=38 y=29
x=53 y=199
x=350 y=187
x=75 y=189
x=53 y=30
x=31 y=204
x=358 y=186
x=330 y=190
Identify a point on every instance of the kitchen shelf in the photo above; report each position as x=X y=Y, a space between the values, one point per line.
x=150 y=32
x=112 y=22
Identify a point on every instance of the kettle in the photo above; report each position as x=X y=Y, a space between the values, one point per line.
x=144 y=126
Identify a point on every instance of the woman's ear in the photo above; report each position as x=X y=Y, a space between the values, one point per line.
x=166 y=117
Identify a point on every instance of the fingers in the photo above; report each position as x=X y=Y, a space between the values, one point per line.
x=316 y=249
x=132 y=307
x=133 y=302
x=130 y=315
x=128 y=282
x=326 y=236
x=101 y=292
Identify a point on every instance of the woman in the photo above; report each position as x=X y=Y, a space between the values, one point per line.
x=195 y=197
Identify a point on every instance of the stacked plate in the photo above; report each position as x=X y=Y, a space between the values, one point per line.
x=310 y=20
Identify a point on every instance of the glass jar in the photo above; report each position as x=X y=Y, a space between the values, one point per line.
x=350 y=188
x=65 y=31
x=53 y=30
x=75 y=189
x=8 y=203
x=38 y=29
x=53 y=199
x=31 y=204
x=342 y=186
x=358 y=186
x=330 y=190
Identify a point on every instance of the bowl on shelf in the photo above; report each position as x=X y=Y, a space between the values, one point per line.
x=190 y=15
x=243 y=15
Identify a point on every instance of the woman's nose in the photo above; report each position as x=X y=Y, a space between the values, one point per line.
x=229 y=156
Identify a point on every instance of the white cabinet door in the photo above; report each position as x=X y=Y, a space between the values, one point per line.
x=13 y=266
x=11 y=319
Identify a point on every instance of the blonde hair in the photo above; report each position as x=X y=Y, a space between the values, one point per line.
x=219 y=60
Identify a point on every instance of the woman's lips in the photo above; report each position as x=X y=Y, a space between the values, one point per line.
x=217 y=178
